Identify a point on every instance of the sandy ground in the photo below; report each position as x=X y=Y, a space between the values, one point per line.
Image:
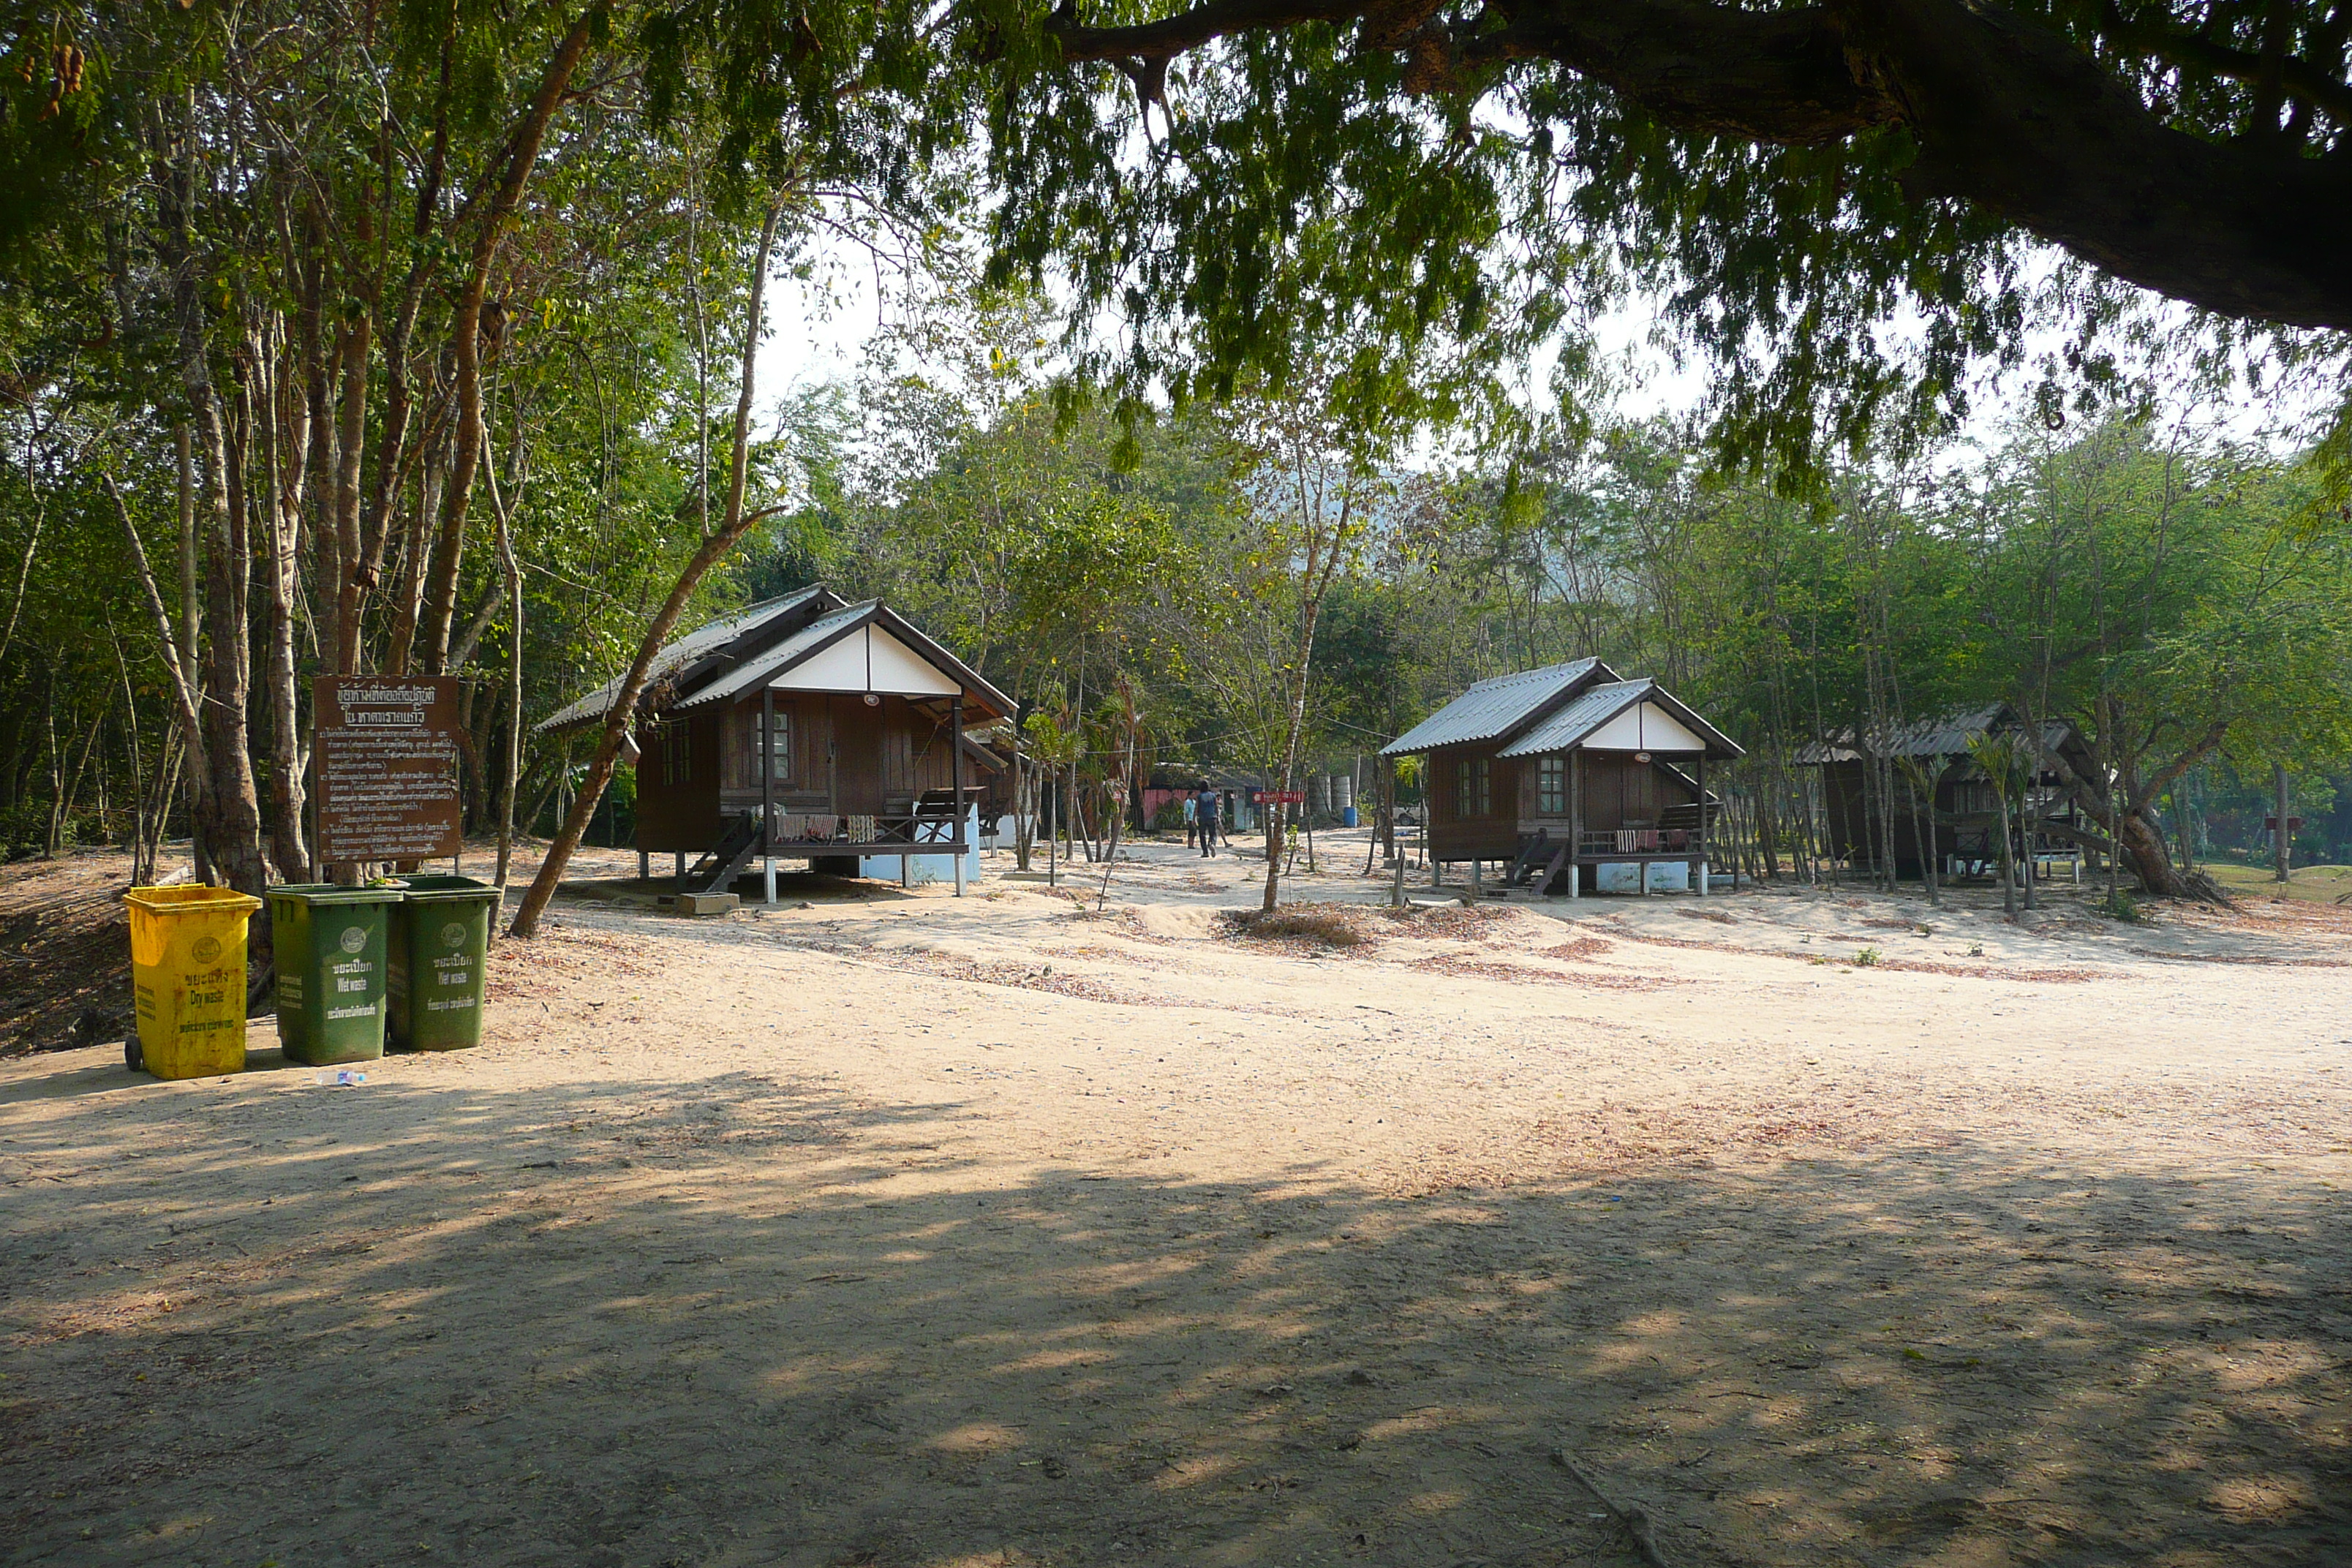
x=889 y=1228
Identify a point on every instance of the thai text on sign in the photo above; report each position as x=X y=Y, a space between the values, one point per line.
x=387 y=767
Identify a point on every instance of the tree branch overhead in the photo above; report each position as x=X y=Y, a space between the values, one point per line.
x=2007 y=114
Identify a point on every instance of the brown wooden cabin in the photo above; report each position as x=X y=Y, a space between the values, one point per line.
x=1558 y=771
x=872 y=753
x=1965 y=821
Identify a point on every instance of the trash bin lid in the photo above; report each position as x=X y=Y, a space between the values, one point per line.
x=193 y=899
x=442 y=890
x=334 y=893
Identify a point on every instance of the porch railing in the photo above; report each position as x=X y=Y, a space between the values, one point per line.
x=858 y=831
x=1632 y=841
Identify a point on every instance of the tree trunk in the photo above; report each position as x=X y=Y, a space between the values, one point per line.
x=2008 y=814
x=142 y=868
x=415 y=546
x=466 y=336
x=1024 y=806
x=2283 y=844
x=2151 y=863
x=510 y=768
x=50 y=840
x=345 y=587
x=228 y=812
x=188 y=638
x=167 y=788
x=230 y=803
x=1274 y=818
x=714 y=549
x=287 y=845
x=73 y=780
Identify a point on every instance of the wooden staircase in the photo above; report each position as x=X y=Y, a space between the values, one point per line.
x=724 y=861
x=1535 y=849
x=1542 y=862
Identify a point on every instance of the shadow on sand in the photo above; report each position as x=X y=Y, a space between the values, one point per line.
x=748 y=1321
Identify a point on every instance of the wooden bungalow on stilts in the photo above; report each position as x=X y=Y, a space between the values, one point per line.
x=1869 y=801
x=1566 y=775
x=804 y=729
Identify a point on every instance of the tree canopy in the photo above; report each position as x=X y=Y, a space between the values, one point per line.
x=1835 y=201
x=421 y=339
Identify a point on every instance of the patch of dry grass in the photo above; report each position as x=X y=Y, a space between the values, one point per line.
x=1327 y=925
x=1449 y=920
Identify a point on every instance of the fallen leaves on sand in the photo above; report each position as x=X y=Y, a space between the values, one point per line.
x=1487 y=969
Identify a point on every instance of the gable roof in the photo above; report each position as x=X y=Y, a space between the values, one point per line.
x=759 y=670
x=1595 y=706
x=1495 y=707
x=676 y=660
x=1944 y=735
x=826 y=631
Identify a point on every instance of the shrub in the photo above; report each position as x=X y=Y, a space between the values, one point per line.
x=2120 y=905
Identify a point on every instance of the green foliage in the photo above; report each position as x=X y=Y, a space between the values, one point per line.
x=1296 y=194
x=2120 y=905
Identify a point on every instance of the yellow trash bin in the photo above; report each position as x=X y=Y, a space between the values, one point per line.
x=187 y=968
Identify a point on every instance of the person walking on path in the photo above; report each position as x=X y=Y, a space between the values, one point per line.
x=1192 y=819
x=1207 y=815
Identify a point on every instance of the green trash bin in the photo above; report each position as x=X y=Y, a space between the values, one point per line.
x=440 y=937
x=330 y=944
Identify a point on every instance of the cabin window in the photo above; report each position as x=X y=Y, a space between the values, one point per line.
x=1552 y=786
x=780 y=747
x=1473 y=788
x=676 y=755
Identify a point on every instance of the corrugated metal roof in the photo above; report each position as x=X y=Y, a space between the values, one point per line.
x=1592 y=708
x=1597 y=705
x=757 y=672
x=1492 y=708
x=676 y=656
x=1945 y=735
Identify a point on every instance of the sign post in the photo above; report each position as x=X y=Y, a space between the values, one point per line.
x=387 y=768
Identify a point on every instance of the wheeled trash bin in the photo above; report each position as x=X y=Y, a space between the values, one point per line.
x=440 y=937
x=187 y=979
x=330 y=970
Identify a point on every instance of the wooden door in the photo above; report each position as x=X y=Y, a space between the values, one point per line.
x=1643 y=800
x=857 y=737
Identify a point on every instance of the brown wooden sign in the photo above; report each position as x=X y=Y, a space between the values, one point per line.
x=387 y=767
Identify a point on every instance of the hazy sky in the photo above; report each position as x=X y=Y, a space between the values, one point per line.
x=818 y=332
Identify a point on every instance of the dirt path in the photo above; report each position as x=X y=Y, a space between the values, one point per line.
x=901 y=1230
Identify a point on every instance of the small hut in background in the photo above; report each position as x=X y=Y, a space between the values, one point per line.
x=804 y=728
x=1867 y=793
x=1574 y=780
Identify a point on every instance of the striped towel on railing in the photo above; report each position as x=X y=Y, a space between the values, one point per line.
x=861 y=829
